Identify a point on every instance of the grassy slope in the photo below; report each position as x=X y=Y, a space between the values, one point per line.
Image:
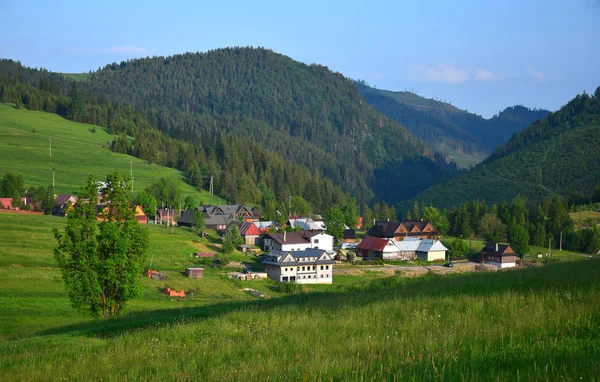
x=76 y=153
x=531 y=324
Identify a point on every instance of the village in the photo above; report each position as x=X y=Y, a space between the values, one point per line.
x=301 y=251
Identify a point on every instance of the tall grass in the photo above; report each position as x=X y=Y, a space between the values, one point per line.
x=538 y=323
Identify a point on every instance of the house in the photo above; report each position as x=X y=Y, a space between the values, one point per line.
x=298 y=241
x=140 y=216
x=305 y=224
x=376 y=247
x=500 y=255
x=7 y=203
x=312 y=266
x=219 y=217
x=62 y=203
x=349 y=236
x=407 y=249
x=319 y=240
x=401 y=230
x=286 y=241
x=166 y=216
x=431 y=250
x=248 y=230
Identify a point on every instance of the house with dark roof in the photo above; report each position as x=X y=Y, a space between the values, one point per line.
x=311 y=266
x=377 y=247
x=298 y=241
x=500 y=255
x=403 y=229
x=62 y=203
x=219 y=217
x=349 y=236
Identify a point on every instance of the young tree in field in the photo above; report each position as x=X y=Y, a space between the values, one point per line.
x=300 y=206
x=198 y=220
x=367 y=214
x=335 y=220
x=437 y=219
x=147 y=202
x=519 y=240
x=189 y=203
x=165 y=192
x=492 y=229
x=101 y=262
x=232 y=239
x=459 y=248
x=12 y=186
x=350 y=211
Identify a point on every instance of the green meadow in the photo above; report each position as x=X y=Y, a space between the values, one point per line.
x=77 y=153
x=538 y=323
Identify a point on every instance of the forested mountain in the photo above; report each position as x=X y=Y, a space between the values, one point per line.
x=265 y=126
x=555 y=155
x=450 y=130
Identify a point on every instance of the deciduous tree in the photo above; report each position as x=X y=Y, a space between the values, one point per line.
x=101 y=262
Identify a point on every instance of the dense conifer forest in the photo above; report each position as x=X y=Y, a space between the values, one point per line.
x=264 y=126
x=554 y=156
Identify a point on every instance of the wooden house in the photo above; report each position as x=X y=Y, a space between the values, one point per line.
x=500 y=255
x=401 y=230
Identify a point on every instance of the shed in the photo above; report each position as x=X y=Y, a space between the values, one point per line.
x=194 y=273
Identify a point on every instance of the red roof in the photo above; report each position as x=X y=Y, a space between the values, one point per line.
x=249 y=228
x=373 y=243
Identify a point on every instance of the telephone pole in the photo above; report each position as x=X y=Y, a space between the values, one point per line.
x=51 y=148
x=52 y=178
x=560 y=246
x=131 y=175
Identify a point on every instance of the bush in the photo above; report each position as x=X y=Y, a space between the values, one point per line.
x=291 y=288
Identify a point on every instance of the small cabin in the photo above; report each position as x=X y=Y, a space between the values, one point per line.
x=194 y=273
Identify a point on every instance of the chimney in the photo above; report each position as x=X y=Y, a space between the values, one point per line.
x=496 y=247
x=285 y=234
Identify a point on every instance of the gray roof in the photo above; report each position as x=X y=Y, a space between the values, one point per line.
x=428 y=245
x=282 y=255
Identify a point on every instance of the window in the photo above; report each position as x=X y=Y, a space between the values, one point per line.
x=285 y=278
x=321 y=267
x=302 y=268
x=316 y=241
x=327 y=267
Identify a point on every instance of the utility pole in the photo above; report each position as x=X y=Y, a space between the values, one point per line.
x=52 y=178
x=211 y=190
x=549 y=247
x=131 y=175
x=51 y=148
x=560 y=247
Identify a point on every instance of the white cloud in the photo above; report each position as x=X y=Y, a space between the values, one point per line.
x=537 y=76
x=445 y=72
x=485 y=75
x=116 y=50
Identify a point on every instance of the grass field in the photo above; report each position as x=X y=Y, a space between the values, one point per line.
x=579 y=218
x=77 y=152
x=538 y=323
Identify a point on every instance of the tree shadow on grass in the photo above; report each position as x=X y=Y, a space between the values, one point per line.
x=558 y=277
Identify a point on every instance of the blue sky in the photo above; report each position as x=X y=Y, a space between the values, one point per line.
x=480 y=55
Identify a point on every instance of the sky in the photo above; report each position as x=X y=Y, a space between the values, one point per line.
x=482 y=56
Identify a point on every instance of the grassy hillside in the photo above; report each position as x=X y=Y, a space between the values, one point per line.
x=557 y=155
x=538 y=323
x=77 y=152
